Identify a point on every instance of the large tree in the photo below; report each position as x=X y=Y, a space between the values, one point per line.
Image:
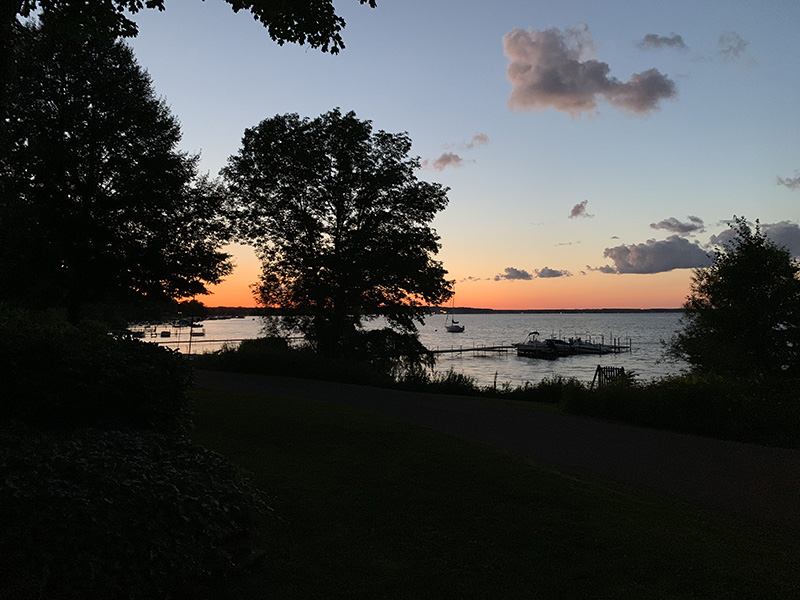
x=341 y=222
x=742 y=317
x=312 y=22
x=98 y=204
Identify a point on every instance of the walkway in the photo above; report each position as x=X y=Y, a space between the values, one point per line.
x=754 y=481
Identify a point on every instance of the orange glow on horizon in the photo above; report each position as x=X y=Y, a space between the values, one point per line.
x=596 y=290
x=592 y=291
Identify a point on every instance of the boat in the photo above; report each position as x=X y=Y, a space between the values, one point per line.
x=451 y=325
x=535 y=348
x=579 y=346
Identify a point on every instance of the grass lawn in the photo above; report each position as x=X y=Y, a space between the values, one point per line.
x=368 y=507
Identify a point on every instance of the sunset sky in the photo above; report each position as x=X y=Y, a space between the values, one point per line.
x=593 y=149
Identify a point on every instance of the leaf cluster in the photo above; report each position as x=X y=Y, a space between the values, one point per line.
x=312 y=22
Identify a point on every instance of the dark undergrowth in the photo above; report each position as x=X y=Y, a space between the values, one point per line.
x=763 y=412
x=103 y=495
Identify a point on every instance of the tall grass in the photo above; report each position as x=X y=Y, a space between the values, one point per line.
x=761 y=411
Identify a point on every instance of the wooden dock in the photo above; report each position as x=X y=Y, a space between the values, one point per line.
x=475 y=349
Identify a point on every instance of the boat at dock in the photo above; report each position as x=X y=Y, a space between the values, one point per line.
x=552 y=348
x=535 y=348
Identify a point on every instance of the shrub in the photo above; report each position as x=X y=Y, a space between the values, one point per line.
x=57 y=375
x=109 y=514
x=748 y=410
x=273 y=356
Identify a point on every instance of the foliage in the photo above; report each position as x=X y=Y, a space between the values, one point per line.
x=272 y=356
x=312 y=22
x=764 y=412
x=137 y=515
x=743 y=315
x=341 y=223
x=57 y=375
x=98 y=204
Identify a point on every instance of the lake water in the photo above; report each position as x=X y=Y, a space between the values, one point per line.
x=642 y=331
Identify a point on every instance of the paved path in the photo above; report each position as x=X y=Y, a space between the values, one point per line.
x=754 y=481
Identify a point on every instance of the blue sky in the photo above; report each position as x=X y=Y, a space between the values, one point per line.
x=550 y=205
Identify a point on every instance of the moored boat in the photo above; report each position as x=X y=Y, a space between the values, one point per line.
x=535 y=348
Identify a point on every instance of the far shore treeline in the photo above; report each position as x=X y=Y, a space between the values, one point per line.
x=459 y=310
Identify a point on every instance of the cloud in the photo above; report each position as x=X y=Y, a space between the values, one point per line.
x=695 y=224
x=604 y=269
x=512 y=273
x=556 y=69
x=547 y=273
x=653 y=41
x=579 y=210
x=447 y=159
x=656 y=256
x=479 y=139
x=790 y=182
x=733 y=48
x=783 y=233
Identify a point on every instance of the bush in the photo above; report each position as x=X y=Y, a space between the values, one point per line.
x=56 y=375
x=109 y=514
x=273 y=356
x=747 y=410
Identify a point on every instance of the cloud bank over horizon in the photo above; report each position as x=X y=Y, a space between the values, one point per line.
x=653 y=256
x=557 y=69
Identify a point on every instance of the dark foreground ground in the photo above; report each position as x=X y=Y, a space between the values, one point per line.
x=762 y=484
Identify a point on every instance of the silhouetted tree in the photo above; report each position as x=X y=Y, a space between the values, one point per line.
x=97 y=203
x=312 y=22
x=742 y=317
x=341 y=223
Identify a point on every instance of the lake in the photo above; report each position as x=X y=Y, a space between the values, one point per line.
x=642 y=331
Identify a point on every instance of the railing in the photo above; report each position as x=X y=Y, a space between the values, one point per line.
x=605 y=375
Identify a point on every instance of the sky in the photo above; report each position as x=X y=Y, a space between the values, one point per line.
x=594 y=151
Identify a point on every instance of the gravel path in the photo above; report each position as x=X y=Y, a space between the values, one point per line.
x=753 y=481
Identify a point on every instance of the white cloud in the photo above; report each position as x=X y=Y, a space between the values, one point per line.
x=556 y=69
x=656 y=256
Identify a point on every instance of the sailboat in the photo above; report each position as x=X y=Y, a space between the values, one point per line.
x=450 y=324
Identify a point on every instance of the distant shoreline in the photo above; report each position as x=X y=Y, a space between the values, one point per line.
x=463 y=310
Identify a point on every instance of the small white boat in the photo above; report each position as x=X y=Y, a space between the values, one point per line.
x=451 y=325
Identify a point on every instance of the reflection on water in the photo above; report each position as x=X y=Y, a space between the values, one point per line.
x=643 y=331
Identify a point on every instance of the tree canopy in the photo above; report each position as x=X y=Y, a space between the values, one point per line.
x=742 y=317
x=312 y=22
x=98 y=204
x=341 y=223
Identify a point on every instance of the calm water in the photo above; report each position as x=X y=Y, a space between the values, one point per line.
x=643 y=331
